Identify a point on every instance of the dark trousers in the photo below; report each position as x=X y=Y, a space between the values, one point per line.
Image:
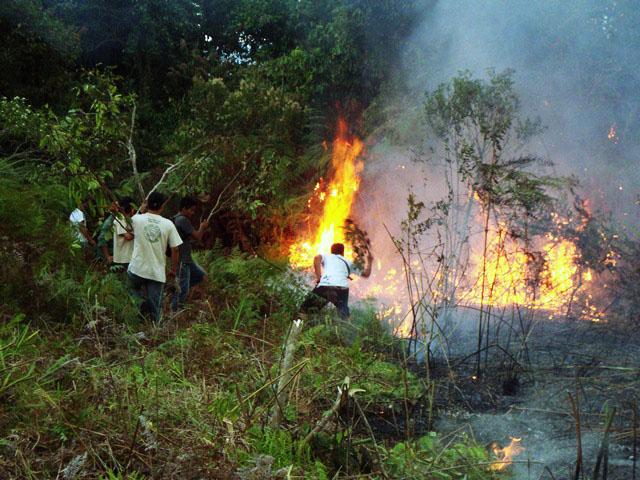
x=150 y=292
x=189 y=275
x=321 y=295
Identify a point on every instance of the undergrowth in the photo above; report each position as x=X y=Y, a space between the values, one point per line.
x=96 y=392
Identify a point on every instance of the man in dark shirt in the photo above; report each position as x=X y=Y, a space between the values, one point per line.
x=189 y=272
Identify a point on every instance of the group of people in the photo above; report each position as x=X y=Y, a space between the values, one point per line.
x=141 y=243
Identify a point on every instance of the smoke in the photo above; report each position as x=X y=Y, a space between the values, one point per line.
x=575 y=68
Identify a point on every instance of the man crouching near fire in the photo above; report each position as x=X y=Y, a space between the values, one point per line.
x=333 y=273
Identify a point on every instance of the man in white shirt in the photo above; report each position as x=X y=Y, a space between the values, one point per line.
x=79 y=224
x=152 y=233
x=123 y=233
x=333 y=273
x=116 y=230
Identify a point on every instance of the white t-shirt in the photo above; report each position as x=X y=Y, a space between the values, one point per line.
x=152 y=233
x=77 y=218
x=335 y=271
x=122 y=249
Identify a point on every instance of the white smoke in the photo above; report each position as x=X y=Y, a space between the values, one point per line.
x=576 y=67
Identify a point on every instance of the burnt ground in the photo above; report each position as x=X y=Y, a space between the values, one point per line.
x=598 y=364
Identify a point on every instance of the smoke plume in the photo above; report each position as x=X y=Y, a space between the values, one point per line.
x=575 y=68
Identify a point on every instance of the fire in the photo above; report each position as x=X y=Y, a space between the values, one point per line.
x=336 y=200
x=549 y=279
x=613 y=134
x=546 y=280
x=504 y=456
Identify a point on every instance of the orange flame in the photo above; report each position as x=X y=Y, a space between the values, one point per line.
x=546 y=281
x=504 y=456
x=337 y=199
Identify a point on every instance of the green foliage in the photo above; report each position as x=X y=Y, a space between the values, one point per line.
x=474 y=119
x=151 y=43
x=236 y=95
x=15 y=341
x=428 y=458
x=89 y=295
x=368 y=370
x=38 y=52
x=253 y=289
x=246 y=139
x=285 y=450
x=279 y=444
x=35 y=236
x=111 y=475
x=81 y=148
x=468 y=103
x=330 y=51
x=373 y=334
x=43 y=273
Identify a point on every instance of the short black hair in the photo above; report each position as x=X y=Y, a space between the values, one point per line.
x=155 y=201
x=337 y=249
x=187 y=202
x=126 y=204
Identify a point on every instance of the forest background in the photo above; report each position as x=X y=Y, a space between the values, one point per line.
x=235 y=101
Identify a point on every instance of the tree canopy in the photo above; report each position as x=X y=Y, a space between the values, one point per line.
x=244 y=90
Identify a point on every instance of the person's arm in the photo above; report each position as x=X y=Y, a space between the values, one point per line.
x=317 y=267
x=175 y=259
x=123 y=228
x=367 y=268
x=85 y=233
x=107 y=256
x=198 y=234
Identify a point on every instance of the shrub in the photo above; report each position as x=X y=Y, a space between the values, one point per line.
x=252 y=289
x=427 y=458
x=34 y=236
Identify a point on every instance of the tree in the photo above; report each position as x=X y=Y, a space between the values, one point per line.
x=81 y=148
x=482 y=135
x=37 y=54
x=244 y=148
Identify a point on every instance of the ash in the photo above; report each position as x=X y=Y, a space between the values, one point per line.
x=595 y=364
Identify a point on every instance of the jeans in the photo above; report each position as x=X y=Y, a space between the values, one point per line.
x=189 y=275
x=320 y=296
x=150 y=292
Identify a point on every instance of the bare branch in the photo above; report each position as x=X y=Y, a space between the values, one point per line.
x=218 y=205
x=132 y=153
x=171 y=168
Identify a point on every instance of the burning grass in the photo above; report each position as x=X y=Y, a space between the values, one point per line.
x=548 y=278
